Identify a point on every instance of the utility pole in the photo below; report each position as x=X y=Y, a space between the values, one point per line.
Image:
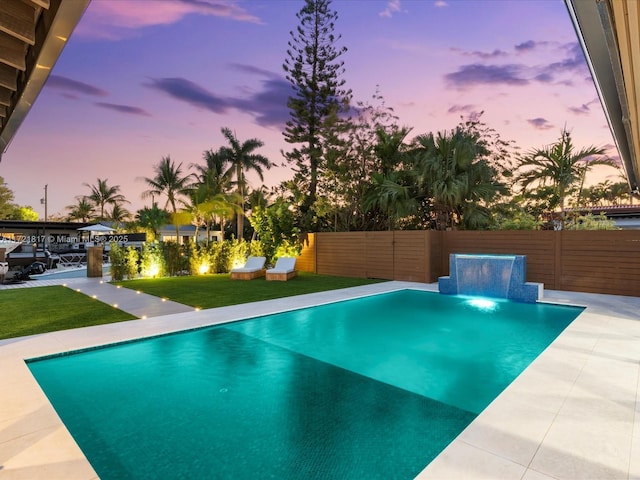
x=44 y=201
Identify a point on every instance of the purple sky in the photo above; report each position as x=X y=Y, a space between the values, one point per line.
x=142 y=79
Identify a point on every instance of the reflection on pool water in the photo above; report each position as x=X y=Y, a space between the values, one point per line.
x=71 y=272
x=373 y=387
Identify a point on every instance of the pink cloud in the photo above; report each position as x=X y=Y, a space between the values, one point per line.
x=393 y=6
x=114 y=20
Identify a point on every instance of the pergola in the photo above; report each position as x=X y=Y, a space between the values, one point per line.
x=32 y=36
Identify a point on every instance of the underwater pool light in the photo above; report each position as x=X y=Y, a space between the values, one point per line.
x=483 y=304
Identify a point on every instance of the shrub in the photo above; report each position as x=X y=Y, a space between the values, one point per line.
x=590 y=222
x=132 y=262
x=152 y=263
x=217 y=256
x=118 y=262
x=274 y=226
x=175 y=258
x=200 y=260
x=287 y=249
x=256 y=249
x=238 y=253
x=124 y=262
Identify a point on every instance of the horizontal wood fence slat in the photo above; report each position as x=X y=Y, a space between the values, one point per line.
x=584 y=261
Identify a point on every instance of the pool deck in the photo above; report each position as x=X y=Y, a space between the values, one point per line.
x=574 y=413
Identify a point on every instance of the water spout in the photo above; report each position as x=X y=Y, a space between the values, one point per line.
x=497 y=276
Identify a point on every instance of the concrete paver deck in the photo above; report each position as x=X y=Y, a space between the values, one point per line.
x=574 y=413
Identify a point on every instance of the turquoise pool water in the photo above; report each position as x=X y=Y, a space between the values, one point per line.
x=368 y=388
x=71 y=272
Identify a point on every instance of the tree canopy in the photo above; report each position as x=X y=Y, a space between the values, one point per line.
x=318 y=99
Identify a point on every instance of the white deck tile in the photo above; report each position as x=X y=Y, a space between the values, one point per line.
x=504 y=431
x=634 y=467
x=574 y=413
x=462 y=461
x=531 y=474
x=584 y=448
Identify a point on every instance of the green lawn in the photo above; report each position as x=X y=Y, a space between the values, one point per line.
x=27 y=311
x=210 y=291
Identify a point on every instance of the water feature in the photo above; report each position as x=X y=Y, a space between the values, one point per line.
x=497 y=276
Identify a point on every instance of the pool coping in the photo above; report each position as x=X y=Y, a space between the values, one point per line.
x=573 y=413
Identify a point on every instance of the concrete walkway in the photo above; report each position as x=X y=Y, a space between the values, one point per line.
x=138 y=304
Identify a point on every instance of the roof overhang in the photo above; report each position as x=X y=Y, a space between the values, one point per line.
x=609 y=32
x=32 y=36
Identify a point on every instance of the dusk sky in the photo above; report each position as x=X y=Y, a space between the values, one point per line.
x=143 y=79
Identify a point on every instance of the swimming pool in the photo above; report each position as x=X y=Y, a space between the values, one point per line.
x=64 y=273
x=368 y=388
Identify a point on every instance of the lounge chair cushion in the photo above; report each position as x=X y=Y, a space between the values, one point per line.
x=284 y=265
x=253 y=264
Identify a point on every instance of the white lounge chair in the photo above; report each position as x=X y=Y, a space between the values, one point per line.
x=284 y=269
x=253 y=268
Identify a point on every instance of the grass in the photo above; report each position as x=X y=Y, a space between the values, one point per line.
x=210 y=291
x=27 y=311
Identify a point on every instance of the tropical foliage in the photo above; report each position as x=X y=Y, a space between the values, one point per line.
x=6 y=199
x=455 y=174
x=169 y=181
x=152 y=219
x=243 y=159
x=560 y=168
x=13 y=211
x=102 y=195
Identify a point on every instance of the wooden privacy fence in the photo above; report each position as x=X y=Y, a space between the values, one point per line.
x=582 y=261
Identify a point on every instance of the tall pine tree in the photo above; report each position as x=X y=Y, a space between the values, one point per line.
x=313 y=68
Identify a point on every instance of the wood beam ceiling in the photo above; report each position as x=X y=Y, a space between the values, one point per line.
x=18 y=25
x=33 y=34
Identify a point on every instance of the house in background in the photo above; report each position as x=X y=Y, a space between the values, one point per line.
x=626 y=217
x=188 y=234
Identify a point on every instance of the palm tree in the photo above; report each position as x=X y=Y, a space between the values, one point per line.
x=560 y=167
x=389 y=195
x=152 y=218
x=83 y=210
x=102 y=195
x=119 y=214
x=241 y=157
x=382 y=186
x=215 y=176
x=220 y=208
x=194 y=207
x=212 y=189
x=170 y=181
x=259 y=197
x=455 y=175
x=390 y=148
x=618 y=193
